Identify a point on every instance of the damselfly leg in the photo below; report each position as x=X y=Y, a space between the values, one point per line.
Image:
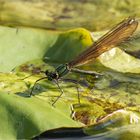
x=61 y=90
x=31 y=93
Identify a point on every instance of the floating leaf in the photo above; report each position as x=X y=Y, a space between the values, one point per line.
x=117 y=88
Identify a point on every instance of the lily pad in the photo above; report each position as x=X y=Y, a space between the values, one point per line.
x=116 y=89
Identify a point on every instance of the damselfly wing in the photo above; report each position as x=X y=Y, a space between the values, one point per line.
x=115 y=36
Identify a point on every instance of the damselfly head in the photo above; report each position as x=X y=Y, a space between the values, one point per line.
x=51 y=75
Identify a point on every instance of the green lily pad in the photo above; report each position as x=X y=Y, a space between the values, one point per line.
x=117 y=88
x=25 y=117
x=20 y=43
x=15 y=91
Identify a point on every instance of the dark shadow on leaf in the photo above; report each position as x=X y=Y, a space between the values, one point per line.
x=67 y=42
x=23 y=94
x=39 y=88
x=61 y=133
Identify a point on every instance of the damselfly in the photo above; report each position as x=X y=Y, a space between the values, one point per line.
x=115 y=36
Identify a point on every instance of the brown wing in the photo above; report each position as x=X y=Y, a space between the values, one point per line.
x=116 y=35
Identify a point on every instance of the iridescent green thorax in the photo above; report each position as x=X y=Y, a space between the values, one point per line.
x=62 y=70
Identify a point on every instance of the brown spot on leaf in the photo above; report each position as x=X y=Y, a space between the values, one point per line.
x=83 y=116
